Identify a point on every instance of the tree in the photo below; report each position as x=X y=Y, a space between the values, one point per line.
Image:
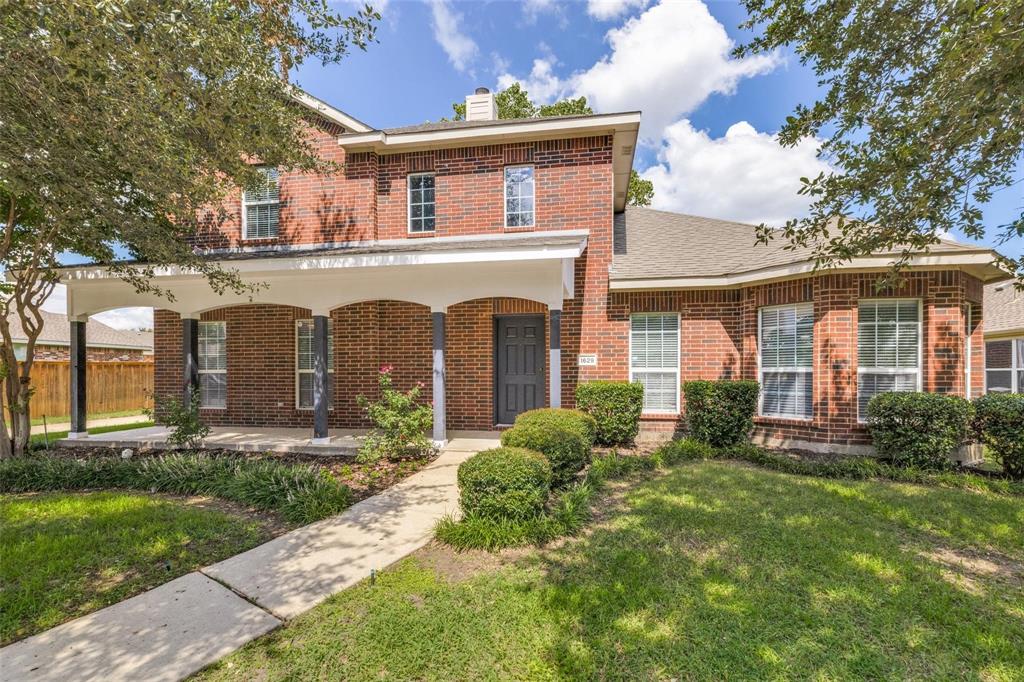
x=514 y=102
x=122 y=120
x=922 y=109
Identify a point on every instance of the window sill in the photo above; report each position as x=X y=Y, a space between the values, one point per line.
x=528 y=228
x=419 y=235
x=773 y=419
x=661 y=416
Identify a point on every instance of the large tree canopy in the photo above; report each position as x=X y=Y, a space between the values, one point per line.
x=120 y=120
x=922 y=110
x=514 y=102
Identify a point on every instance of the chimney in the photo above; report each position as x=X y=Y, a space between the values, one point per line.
x=480 y=106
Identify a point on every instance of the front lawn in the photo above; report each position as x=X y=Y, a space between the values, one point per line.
x=66 y=554
x=39 y=440
x=715 y=570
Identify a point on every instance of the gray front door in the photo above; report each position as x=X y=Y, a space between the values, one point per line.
x=519 y=366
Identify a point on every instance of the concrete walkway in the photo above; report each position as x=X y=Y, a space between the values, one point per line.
x=178 y=628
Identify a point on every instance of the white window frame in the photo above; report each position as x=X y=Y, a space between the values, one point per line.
x=633 y=372
x=202 y=399
x=862 y=419
x=761 y=371
x=968 y=319
x=265 y=202
x=330 y=364
x=409 y=203
x=505 y=197
x=1016 y=363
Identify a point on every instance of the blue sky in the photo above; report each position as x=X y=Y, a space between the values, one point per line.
x=709 y=120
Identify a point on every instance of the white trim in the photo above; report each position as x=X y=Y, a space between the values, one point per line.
x=588 y=125
x=679 y=341
x=330 y=364
x=893 y=371
x=327 y=111
x=784 y=370
x=504 y=195
x=978 y=258
x=408 y=202
x=968 y=318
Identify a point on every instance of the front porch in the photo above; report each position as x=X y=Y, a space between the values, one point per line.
x=341 y=442
x=283 y=366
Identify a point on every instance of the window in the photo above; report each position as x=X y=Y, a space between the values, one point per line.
x=654 y=360
x=213 y=364
x=261 y=207
x=519 y=196
x=888 y=349
x=304 y=363
x=1004 y=366
x=421 y=202
x=787 y=359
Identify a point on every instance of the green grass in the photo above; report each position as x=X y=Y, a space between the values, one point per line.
x=38 y=440
x=64 y=419
x=714 y=570
x=65 y=555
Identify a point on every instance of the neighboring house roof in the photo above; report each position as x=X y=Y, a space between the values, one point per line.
x=57 y=332
x=658 y=249
x=1004 y=309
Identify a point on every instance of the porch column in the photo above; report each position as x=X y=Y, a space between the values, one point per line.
x=440 y=416
x=78 y=377
x=555 y=357
x=321 y=394
x=190 y=358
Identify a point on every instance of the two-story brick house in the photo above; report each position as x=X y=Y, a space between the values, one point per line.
x=496 y=262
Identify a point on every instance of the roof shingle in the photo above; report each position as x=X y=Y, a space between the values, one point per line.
x=57 y=332
x=1004 y=309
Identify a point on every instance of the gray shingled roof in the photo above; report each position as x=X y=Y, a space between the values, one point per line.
x=658 y=244
x=57 y=332
x=431 y=126
x=1004 y=308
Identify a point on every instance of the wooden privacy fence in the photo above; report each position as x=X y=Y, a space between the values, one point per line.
x=110 y=387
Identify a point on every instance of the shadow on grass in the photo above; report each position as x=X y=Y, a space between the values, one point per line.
x=722 y=571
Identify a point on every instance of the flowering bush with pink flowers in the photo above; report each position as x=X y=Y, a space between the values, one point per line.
x=400 y=422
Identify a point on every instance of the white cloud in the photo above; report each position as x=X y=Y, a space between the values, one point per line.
x=119 y=318
x=666 y=62
x=744 y=176
x=460 y=48
x=603 y=10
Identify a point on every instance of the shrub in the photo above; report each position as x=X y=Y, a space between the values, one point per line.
x=683 y=450
x=186 y=428
x=400 y=422
x=616 y=406
x=919 y=429
x=564 y=448
x=574 y=420
x=999 y=423
x=720 y=413
x=504 y=483
x=300 y=493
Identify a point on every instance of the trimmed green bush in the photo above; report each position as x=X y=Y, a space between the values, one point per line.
x=564 y=447
x=574 y=420
x=999 y=424
x=300 y=493
x=504 y=484
x=720 y=413
x=616 y=406
x=919 y=429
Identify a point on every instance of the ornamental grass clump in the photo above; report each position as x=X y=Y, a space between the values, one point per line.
x=400 y=422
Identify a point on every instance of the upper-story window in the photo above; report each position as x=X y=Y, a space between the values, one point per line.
x=519 y=194
x=421 y=202
x=261 y=207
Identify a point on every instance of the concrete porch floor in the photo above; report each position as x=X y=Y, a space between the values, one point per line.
x=343 y=442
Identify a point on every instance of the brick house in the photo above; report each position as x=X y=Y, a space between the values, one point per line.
x=1004 y=338
x=106 y=344
x=496 y=262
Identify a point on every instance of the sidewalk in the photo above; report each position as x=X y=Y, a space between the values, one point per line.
x=56 y=427
x=178 y=628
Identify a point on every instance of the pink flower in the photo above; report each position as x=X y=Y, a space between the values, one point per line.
x=386 y=369
x=420 y=384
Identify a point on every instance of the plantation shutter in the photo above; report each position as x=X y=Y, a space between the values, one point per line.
x=888 y=349
x=654 y=360
x=787 y=361
x=305 y=362
x=262 y=206
x=213 y=364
